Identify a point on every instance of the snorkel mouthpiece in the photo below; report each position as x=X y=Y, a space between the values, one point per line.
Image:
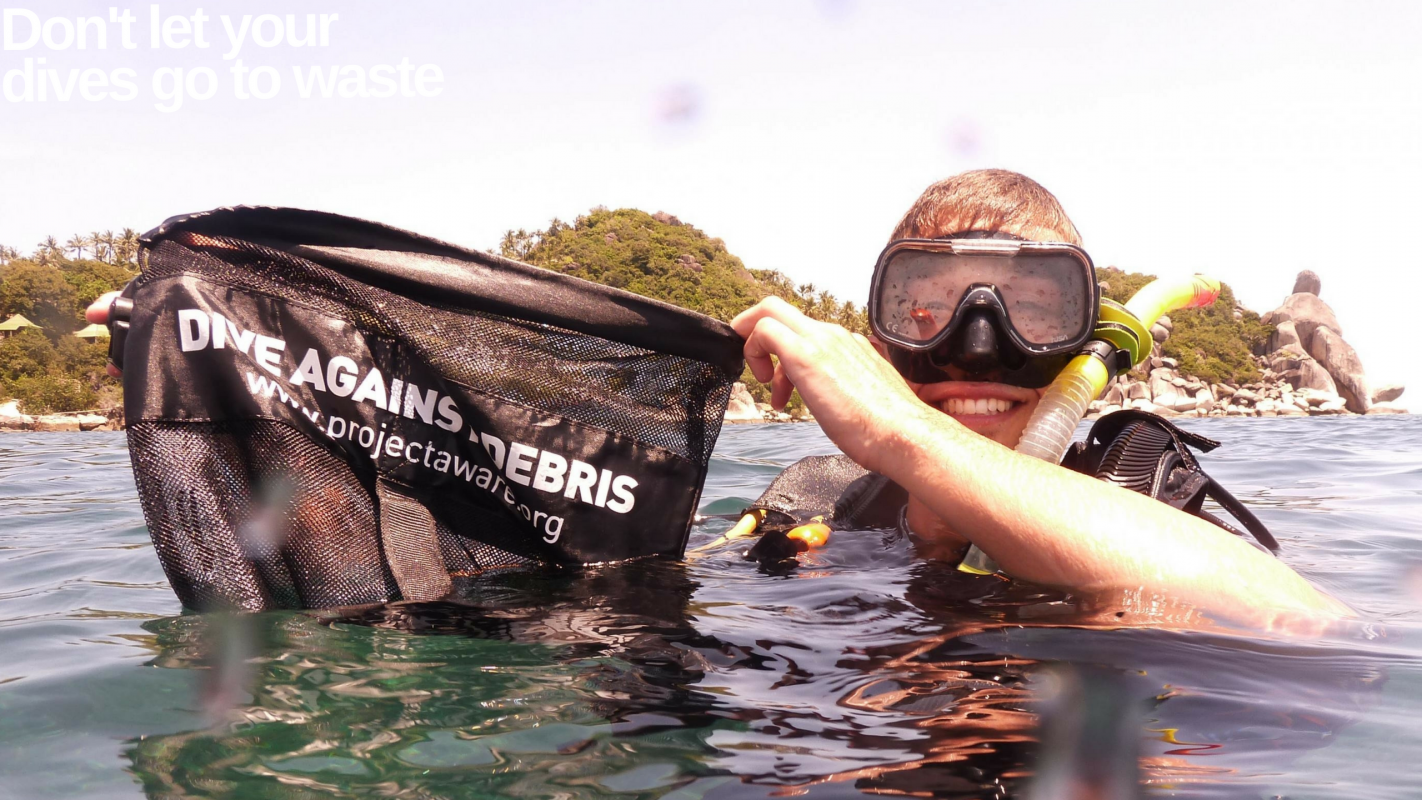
x=1121 y=341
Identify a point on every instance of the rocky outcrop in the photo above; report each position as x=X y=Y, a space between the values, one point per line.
x=1386 y=393
x=1307 y=282
x=1167 y=392
x=742 y=406
x=1307 y=369
x=12 y=419
x=1307 y=331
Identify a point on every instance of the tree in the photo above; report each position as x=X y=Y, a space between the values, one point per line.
x=126 y=248
x=8 y=254
x=47 y=251
x=77 y=243
x=109 y=243
x=40 y=292
x=95 y=240
x=91 y=278
x=518 y=245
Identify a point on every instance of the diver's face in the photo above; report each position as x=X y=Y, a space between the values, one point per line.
x=985 y=406
x=995 y=410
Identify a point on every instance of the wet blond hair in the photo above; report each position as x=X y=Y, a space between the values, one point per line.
x=987 y=200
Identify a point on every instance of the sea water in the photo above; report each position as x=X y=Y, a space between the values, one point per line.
x=860 y=672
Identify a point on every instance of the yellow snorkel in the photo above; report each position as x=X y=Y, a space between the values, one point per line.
x=1121 y=341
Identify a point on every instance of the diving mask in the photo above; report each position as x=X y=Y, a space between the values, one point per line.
x=999 y=308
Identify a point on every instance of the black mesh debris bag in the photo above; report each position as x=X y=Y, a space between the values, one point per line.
x=324 y=411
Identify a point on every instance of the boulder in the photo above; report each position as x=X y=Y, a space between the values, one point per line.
x=1185 y=402
x=90 y=422
x=1245 y=396
x=1386 y=407
x=1311 y=375
x=1204 y=401
x=12 y=419
x=56 y=423
x=1159 y=333
x=742 y=407
x=1308 y=314
x=1223 y=390
x=1165 y=323
x=1307 y=283
x=1387 y=393
x=1283 y=362
x=1143 y=405
x=1341 y=360
x=1291 y=410
x=1315 y=397
x=1138 y=391
x=1162 y=391
x=1335 y=406
x=1114 y=396
x=1285 y=334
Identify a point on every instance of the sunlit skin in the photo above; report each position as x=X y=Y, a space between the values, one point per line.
x=1042 y=523
x=938 y=540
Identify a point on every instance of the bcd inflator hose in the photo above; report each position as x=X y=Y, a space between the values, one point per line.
x=1064 y=404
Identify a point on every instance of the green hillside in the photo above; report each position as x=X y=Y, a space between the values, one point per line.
x=46 y=368
x=659 y=256
x=1208 y=342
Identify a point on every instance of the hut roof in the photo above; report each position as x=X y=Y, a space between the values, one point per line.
x=93 y=331
x=16 y=322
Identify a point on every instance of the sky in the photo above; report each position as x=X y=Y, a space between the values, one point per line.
x=1245 y=140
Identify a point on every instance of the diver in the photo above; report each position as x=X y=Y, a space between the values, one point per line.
x=963 y=350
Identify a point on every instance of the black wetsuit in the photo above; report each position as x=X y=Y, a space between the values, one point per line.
x=1134 y=449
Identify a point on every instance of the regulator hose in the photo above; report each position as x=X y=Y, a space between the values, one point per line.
x=1122 y=341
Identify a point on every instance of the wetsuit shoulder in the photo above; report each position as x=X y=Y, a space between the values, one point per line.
x=833 y=488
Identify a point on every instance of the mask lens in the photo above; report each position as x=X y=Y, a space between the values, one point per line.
x=1046 y=297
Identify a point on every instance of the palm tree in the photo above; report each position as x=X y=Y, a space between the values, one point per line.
x=127 y=247
x=8 y=254
x=76 y=243
x=95 y=240
x=108 y=241
x=47 y=251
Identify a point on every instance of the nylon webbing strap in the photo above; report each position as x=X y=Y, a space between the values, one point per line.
x=407 y=531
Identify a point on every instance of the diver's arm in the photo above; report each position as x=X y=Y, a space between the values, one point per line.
x=1056 y=527
x=1039 y=522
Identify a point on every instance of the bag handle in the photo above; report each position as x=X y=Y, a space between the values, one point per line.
x=411 y=543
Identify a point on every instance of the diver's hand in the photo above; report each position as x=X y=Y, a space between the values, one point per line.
x=98 y=312
x=860 y=401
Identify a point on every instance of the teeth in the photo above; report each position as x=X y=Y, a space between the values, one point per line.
x=960 y=406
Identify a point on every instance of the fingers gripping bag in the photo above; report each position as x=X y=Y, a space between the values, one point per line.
x=324 y=411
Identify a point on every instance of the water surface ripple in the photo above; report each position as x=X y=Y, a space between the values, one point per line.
x=864 y=671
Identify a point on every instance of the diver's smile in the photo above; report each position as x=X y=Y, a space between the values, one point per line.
x=976 y=404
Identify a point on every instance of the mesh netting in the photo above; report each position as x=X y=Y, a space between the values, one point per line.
x=256 y=514
x=654 y=397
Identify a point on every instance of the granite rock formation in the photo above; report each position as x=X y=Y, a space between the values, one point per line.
x=1308 y=369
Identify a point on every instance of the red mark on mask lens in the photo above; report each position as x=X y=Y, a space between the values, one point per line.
x=924 y=319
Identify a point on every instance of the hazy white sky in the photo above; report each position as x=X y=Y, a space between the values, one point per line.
x=1247 y=140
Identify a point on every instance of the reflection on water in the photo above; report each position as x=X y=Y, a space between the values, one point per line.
x=864 y=671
